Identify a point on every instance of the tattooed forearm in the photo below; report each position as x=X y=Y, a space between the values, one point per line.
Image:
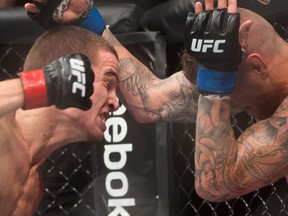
x=227 y=168
x=168 y=100
x=181 y=105
x=151 y=99
x=174 y=104
x=265 y=149
x=216 y=148
x=136 y=77
x=107 y=35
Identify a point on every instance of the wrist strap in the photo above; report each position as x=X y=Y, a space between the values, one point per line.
x=215 y=81
x=94 y=22
x=35 y=91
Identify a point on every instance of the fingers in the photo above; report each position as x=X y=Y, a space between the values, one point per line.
x=31 y=8
x=222 y=4
x=198 y=7
x=209 y=5
x=232 y=6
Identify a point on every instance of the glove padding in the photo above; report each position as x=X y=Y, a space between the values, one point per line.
x=51 y=14
x=66 y=82
x=212 y=37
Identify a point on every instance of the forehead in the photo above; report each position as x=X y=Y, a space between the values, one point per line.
x=105 y=63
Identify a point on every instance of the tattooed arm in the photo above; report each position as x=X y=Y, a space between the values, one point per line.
x=149 y=98
x=226 y=168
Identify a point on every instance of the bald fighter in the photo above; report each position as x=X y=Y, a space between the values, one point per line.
x=250 y=73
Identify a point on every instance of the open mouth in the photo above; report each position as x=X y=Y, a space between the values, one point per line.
x=104 y=116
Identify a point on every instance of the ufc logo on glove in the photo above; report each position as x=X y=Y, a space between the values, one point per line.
x=212 y=38
x=200 y=45
x=78 y=70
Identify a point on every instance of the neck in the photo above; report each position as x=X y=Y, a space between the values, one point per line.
x=45 y=132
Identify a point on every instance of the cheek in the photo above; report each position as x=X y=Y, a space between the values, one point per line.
x=241 y=96
x=91 y=127
x=248 y=86
x=100 y=95
x=240 y=89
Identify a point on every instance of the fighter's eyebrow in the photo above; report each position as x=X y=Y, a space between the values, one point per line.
x=112 y=74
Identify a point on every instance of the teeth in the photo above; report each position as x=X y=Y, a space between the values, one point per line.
x=103 y=118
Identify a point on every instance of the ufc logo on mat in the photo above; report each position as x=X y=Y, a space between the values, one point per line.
x=78 y=70
x=200 y=45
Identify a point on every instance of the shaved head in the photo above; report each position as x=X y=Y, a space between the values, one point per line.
x=262 y=36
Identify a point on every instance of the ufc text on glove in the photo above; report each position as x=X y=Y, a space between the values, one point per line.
x=212 y=37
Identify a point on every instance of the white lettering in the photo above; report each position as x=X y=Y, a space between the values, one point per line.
x=80 y=87
x=78 y=70
x=121 y=202
x=77 y=64
x=116 y=132
x=200 y=45
x=120 y=149
x=118 y=127
x=196 y=45
x=118 y=203
x=216 y=46
x=206 y=45
x=122 y=109
x=117 y=176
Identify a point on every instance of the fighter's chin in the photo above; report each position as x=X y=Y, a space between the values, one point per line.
x=95 y=137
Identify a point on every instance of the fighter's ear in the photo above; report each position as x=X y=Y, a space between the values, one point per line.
x=256 y=62
x=243 y=35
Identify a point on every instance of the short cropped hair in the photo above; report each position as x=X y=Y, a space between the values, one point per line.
x=64 y=40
